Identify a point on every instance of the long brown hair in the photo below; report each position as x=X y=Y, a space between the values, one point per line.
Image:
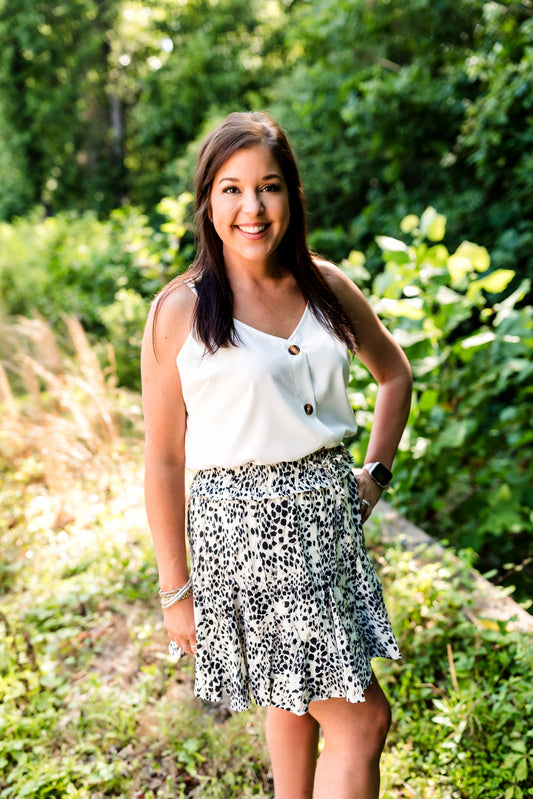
x=213 y=317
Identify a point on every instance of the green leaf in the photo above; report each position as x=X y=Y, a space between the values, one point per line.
x=478 y=256
x=446 y=296
x=478 y=339
x=354 y=267
x=432 y=224
x=409 y=223
x=510 y=301
x=494 y=283
x=521 y=770
x=454 y=435
x=428 y=399
x=424 y=366
x=437 y=256
x=406 y=338
x=387 y=285
x=458 y=266
x=410 y=309
x=356 y=258
x=388 y=244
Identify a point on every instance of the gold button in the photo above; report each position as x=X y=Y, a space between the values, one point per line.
x=308 y=409
x=294 y=349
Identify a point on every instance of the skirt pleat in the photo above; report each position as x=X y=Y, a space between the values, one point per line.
x=288 y=607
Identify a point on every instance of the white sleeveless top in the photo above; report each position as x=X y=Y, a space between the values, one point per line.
x=266 y=400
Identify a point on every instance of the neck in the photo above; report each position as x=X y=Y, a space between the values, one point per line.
x=250 y=273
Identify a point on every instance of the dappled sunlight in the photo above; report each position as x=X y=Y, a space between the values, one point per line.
x=84 y=650
x=412 y=124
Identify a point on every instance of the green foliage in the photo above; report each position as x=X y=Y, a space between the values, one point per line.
x=462 y=708
x=103 y=272
x=207 y=60
x=100 y=98
x=16 y=191
x=464 y=471
x=92 y=706
x=391 y=106
x=400 y=105
x=55 y=100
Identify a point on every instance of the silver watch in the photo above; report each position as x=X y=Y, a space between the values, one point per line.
x=379 y=474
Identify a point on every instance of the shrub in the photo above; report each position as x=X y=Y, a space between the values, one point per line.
x=102 y=272
x=464 y=470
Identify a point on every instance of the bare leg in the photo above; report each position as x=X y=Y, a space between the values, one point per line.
x=354 y=736
x=292 y=743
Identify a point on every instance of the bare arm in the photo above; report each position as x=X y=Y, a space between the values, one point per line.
x=387 y=363
x=165 y=423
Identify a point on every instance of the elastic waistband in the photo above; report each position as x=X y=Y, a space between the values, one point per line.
x=256 y=481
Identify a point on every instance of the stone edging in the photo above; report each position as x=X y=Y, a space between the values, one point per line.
x=491 y=602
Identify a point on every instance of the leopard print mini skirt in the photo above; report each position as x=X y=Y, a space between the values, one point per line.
x=288 y=606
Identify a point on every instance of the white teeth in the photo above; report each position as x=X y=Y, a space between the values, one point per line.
x=252 y=228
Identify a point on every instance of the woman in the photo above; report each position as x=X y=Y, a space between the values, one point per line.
x=245 y=363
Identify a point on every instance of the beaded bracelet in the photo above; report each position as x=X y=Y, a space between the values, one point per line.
x=169 y=598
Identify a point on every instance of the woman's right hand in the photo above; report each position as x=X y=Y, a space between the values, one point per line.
x=179 y=621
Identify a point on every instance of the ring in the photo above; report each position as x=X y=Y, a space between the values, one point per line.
x=365 y=503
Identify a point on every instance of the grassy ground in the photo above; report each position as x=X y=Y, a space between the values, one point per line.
x=92 y=706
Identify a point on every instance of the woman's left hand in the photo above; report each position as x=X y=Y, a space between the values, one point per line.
x=369 y=493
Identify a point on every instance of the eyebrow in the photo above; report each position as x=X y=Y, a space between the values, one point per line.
x=266 y=177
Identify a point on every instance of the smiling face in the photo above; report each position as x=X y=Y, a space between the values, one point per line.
x=249 y=207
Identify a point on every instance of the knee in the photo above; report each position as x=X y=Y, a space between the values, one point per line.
x=378 y=718
x=382 y=724
x=369 y=741
x=371 y=735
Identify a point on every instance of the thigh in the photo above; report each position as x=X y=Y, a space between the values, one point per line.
x=293 y=746
x=361 y=726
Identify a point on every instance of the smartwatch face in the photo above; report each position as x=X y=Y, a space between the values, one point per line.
x=381 y=474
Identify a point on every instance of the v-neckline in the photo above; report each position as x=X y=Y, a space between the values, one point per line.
x=271 y=335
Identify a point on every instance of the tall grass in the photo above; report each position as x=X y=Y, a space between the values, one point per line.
x=59 y=404
x=90 y=703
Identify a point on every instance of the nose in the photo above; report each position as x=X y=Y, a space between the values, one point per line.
x=253 y=203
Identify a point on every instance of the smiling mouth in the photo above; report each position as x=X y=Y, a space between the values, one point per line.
x=252 y=228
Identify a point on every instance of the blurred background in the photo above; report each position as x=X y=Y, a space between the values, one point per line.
x=412 y=121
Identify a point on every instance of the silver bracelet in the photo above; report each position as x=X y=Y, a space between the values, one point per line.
x=169 y=598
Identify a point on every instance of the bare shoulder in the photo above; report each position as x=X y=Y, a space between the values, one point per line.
x=370 y=331
x=170 y=319
x=329 y=271
x=344 y=289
